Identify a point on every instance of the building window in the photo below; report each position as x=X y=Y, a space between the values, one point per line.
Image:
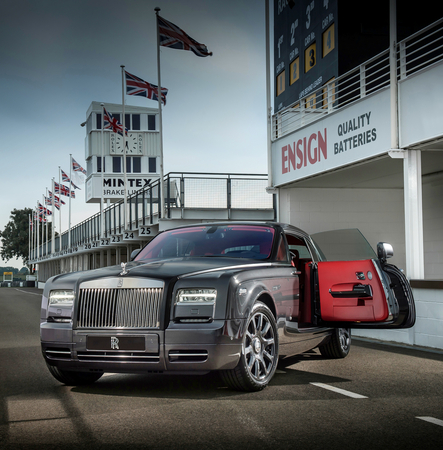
x=151 y=122
x=135 y=122
x=152 y=165
x=133 y=164
x=136 y=164
x=116 y=164
x=99 y=164
x=132 y=121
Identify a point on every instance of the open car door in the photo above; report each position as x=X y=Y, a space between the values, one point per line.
x=363 y=293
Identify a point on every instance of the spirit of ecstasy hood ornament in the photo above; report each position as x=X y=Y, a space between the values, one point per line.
x=123 y=272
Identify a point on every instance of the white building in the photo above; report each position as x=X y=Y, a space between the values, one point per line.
x=371 y=157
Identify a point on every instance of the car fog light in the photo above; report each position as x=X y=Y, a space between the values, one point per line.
x=196 y=295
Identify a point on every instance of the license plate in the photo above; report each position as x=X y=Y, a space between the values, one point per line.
x=115 y=343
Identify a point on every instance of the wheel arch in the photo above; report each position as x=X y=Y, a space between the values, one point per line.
x=266 y=298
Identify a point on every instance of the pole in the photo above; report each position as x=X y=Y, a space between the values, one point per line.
x=124 y=149
x=268 y=95
x=60 y=211
x=393 y=73
x=70 y=195
x=29 y=237
x=102 y=199
x=45 y=222
x=160 y=122
x=53 y=217
x=38 y=232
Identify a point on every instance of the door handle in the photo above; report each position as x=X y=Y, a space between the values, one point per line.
x=359 y=291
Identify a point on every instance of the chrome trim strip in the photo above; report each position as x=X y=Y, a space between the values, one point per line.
x=385 y=289
x=122 y=283
x=218 y=269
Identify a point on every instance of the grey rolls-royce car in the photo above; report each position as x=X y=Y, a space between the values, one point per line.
x=227 y=297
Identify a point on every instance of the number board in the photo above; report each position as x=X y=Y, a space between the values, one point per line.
x=305 y=49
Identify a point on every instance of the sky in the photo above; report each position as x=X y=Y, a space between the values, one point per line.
x=57 y=56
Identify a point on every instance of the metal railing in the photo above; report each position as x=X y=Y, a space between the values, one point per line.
x=414 y=53
x=182 y=191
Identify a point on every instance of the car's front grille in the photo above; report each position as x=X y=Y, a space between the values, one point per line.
x=119 y=307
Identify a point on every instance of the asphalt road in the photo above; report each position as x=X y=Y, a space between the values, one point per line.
x=383 y=397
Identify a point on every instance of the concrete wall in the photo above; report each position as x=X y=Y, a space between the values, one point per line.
x=432 y=229
x=377 y=213
x=428 y=329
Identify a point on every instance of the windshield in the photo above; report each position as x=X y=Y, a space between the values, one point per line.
x=236 y=241
x=343 y=245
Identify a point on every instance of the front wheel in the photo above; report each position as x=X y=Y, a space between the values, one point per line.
x=259 y=356
x=72 y=378
x=339 y=345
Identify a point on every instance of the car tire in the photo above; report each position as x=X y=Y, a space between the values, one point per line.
x=338 y=345
x=72 y=378
x=259 y=355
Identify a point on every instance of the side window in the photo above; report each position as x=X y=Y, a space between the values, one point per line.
x=298 y=244
x=281 y=253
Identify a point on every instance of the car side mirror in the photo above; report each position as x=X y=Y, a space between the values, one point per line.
x=134 y=253
x=384 y=251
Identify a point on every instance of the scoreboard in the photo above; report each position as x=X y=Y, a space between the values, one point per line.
x=305 y=48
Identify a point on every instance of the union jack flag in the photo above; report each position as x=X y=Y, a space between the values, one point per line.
x=44 y=210
x=142 y=88
x=57 y=201
x=172 y=36
x=66 y=179
x=76 y=167
x=38 y=215
x=63 y=190
x=111 y=123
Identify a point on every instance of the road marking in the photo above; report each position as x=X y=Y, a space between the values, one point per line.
x=27 y=292
x=338 y=390
x=432 y=420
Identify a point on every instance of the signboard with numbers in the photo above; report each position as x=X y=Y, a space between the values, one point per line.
x=305 y=49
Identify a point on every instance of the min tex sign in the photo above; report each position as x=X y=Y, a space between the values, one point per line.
x=113 y=188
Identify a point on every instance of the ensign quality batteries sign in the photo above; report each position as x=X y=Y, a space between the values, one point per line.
x=347 y=136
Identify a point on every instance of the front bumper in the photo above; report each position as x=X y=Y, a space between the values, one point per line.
x=180 y=348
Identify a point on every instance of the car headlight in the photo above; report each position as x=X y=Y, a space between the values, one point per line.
x=206 y=296
x=63 y=297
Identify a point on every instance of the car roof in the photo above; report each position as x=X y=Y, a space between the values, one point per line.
x=276 y=225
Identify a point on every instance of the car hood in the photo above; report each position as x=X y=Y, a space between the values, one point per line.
x=163 y=269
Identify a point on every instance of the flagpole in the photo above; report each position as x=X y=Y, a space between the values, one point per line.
x=60 y=210
x=45 y=224
x=33 y=235
x=29 y=237
x=70 y=195
x=38 y=232
x=102 y=198
x=124 y=148
x=160 y=122
x=52 y=221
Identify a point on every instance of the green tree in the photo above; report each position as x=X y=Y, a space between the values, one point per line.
x=15 y=236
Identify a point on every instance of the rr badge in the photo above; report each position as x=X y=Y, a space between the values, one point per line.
x=114 y=343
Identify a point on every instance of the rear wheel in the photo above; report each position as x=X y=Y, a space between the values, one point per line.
x=72 y=378
x=339 y=345
x=259 y=355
